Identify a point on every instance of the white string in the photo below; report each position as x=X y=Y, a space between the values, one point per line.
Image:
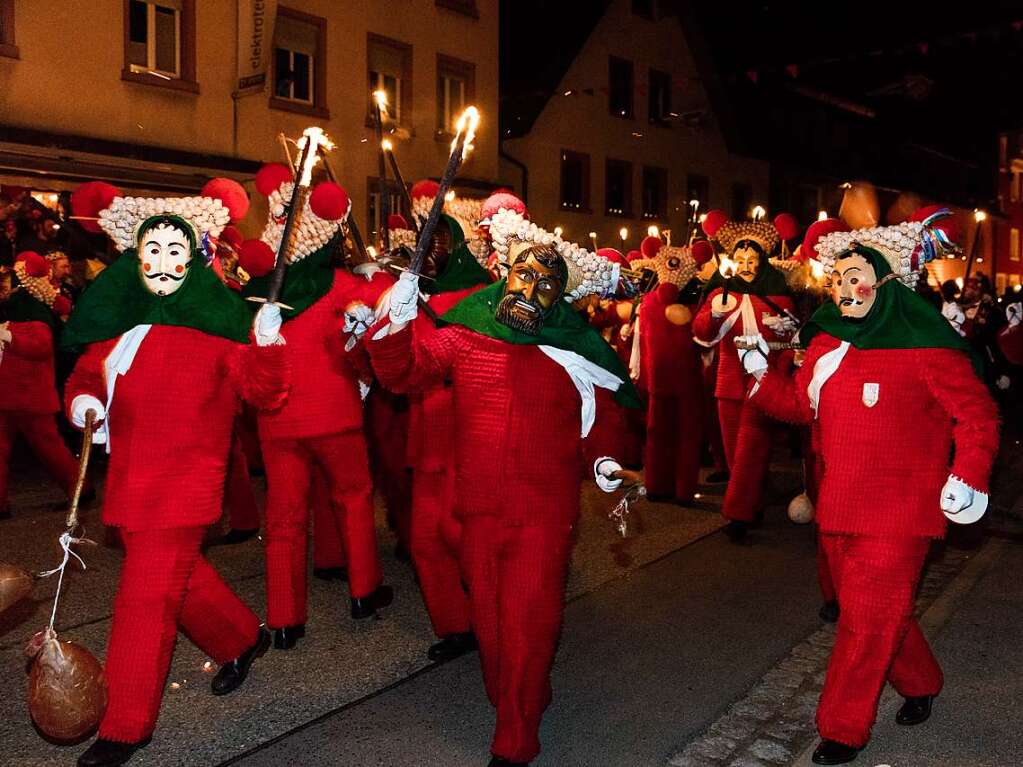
x=619 y=514
x=66 y=541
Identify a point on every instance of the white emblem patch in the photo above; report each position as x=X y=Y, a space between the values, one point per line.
x=871 y=392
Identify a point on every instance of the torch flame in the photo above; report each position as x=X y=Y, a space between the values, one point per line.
x=726 y=267
x=380 y=97
x=816 y=269
x=319 y=141
x=467 y=123
x=450 y=196
x=386 y=145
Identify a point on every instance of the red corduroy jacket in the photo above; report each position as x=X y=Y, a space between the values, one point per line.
x=431 y=411
x=171 y=418
x=732 y=379
x=324 y=396
x=670 y=363
x=885 y=464
x=516 y=435
x=27 y=382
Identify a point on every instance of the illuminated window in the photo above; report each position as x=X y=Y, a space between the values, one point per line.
x=456 y=82
x=575 y=181
x=620 y=87
x=390 y=70
x=395 y=204
x=655 y=193
x=160 y=42
x=618 y=188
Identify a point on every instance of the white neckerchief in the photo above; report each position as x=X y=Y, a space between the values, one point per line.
x=585 y=375
x=826 y=366
x=118 y=362
x=749 y=322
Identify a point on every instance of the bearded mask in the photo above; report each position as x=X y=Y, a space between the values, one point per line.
x=854 y=285
x=437 y=256
x=536 y=282
x=165 y=253
x=747 y=258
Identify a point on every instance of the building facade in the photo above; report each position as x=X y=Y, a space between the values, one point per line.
x=628 y=138
x=146 y=93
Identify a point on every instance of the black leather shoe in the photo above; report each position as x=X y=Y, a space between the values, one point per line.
x=287 y=637
x=109 y=753
x=331 y=573
x=718 y=477
x=366 y=607
x=233 y=673
x=915 y=711
x=453 y=646
x=829 y=611
x=736 y=530
x=233 y=537
x=500 y=761
x=833 y=752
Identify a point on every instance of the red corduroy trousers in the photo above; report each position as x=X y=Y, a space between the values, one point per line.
x=39 y=430
x=289 y=469
x=878 y=639
x=516 y=578
x=328 y=535
x=238 y=493
x=747 y=434
x=674 y=439
x=436 y=540
x=165 y=585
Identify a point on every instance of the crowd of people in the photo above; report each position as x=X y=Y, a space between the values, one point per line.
x=476 y=355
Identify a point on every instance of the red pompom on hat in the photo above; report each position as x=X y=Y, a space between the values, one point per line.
x=35 y=265
x=231 y=194
x=650 y=246
x=271 y=176
x=612 y=255
x=256 y=258
x=425 y=188
x=702 y=251
x=62 y=305
x=502 y=199
x=89 y=199
x=714 y=221
x=814 y=233
x=948 y=224
x=787 y=226
x=329 y=201
x=633 y=255
x=397 y=221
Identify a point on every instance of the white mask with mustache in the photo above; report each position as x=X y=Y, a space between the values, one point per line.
x=164 y=257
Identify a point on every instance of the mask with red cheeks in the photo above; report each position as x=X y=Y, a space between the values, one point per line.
x=854 y=285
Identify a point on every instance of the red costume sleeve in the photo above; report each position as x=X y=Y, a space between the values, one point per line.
x=261 y=375
x=783 y=396
x=31 y=340
x=404 y=366
x=88 y=377
x=706 y=325
x=951 y=381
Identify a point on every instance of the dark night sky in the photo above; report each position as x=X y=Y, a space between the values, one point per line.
x=894 y=91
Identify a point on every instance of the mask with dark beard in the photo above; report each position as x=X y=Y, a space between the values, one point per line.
x=536 y=282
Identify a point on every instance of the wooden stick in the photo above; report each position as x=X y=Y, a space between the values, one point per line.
x=83 y=467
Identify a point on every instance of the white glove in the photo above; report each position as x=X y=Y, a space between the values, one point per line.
x=358 y=319
x=625 y=331
x=961 y=503
x=1003 y=382
x=603 y=472
x=754 y=359
x=404 y=299
x=951 y=311
x=267 y=326
x=82 y=404
x=1014 y=314
x=5 y=333
x=780 y=324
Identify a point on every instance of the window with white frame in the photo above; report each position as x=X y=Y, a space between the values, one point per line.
x=455 y=85
x=295 y=59
x=389 y=68
x=154 y=36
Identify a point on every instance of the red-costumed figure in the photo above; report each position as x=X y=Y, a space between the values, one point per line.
x=320 y=426
x=670 y=372
x=746 y=296
x=33 y=316
x=451 y=273
x=521 y=362
x=166 y=366
x=891 y=387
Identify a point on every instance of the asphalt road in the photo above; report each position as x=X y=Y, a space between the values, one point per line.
x=646 y=662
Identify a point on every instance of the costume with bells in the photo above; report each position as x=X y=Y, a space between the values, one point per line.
x=669 y=370
x=517 y=444
x=891 y=388
x=756 y=306
x=165 y=368
x=30 y=402
x=320 y=426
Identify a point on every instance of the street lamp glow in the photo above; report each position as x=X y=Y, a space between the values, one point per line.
x=653 y=231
